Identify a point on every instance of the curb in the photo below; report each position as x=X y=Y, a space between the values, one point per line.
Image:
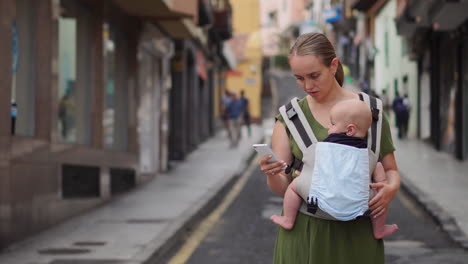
x=175 y=240
x=441 y=217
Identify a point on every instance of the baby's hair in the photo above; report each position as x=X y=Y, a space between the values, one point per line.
x=356 y=112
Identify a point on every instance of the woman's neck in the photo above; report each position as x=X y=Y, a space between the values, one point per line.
x=335 y=94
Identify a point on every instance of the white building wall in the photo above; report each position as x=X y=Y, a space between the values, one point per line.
x=287 y=13
x=398 y=64
x=269 y=28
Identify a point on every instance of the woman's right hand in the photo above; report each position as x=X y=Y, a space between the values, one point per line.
x=271 y=168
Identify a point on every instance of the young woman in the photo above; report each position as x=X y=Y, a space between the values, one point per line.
x=312 y=240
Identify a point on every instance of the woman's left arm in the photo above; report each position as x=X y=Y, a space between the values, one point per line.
x=386 y=190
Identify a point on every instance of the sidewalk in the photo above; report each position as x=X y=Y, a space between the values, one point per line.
x=439 y=183
x=144 y=223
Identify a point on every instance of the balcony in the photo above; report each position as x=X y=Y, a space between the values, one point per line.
x=222 y=26
x=362 y=5
x=413 y=16
x=449 y=14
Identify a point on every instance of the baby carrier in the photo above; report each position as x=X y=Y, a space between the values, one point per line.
x=334 y=180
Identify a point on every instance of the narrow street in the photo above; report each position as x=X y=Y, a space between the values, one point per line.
x=245 y=234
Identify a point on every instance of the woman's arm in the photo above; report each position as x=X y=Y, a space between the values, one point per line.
x=277 y=179
x=388 y=189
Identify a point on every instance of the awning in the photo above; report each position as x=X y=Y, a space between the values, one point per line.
x=177 y=24
x=183 y=28
x=413 y=17
x=152 y=9
x=450 y=15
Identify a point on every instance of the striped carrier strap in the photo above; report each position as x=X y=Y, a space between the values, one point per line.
x=374 y=134
x=297 y=124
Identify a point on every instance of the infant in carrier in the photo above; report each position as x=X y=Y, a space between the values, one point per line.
x=349 y=122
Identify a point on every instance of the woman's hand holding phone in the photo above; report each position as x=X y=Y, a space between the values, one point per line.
x=270 y=164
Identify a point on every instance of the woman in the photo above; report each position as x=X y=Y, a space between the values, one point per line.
x=319 y=72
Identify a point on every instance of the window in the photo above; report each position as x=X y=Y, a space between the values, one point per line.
x=109 y=85
x=404 y=47
x=75 y=68
x=23 y=79
x=115 y=116
x=273 y=18
x=387 y=58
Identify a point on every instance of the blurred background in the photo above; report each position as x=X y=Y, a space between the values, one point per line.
x=99 y=97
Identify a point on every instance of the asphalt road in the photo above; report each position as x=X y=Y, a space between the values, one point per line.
x=244 y=233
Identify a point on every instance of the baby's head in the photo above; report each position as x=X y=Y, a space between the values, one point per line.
x=352 y=117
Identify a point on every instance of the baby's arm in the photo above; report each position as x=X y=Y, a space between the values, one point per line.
x=379 y=173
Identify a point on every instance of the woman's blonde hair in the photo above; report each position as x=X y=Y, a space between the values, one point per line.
x=317 y=44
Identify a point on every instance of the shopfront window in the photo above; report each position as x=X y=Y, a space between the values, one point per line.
x=115 y=117
x=109 y=85
x=75 y=68
x=23 y=79
x=465 y=102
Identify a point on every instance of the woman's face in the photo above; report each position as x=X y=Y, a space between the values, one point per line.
x=312 y=75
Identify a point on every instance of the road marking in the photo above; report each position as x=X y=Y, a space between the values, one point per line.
x=205 y=226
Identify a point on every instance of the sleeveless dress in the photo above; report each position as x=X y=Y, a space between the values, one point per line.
x=318 y=241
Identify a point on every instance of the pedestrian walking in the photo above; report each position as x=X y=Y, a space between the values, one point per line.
x=234 y=112
x=225 y=101
x=315 y=240
x=387 y=106
x=401 y=110
x=245 y=112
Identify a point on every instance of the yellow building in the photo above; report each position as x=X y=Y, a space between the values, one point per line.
x=246 y=44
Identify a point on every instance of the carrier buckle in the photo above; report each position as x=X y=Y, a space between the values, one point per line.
x=312 y=205
x=291 y=113
x=367 y=213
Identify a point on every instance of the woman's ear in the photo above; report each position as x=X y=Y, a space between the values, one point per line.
x=334 y=65
x=351 y=130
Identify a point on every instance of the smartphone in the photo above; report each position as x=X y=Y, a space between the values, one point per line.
x=264 y=149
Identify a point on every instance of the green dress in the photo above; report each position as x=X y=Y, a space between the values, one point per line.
x=318 y=241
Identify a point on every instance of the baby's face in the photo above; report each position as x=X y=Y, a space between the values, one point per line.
x=337 y=125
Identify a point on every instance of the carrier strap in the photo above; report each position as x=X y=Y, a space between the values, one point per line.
x=374 y=133
x=297 y=164
x=297 y=124
x=294 y=117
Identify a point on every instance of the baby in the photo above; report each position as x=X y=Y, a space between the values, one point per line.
x=349 y=123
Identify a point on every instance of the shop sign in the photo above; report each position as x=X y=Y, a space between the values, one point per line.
x=332 y=15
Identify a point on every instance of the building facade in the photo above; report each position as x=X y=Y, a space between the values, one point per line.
x=437 y=35
x=246 y=43
x=87 y=90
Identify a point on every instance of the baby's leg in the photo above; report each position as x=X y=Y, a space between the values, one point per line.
x=378 y=224
x=380 y=228
x=291 y=203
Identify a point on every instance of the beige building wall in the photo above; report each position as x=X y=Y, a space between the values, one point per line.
x=248 y=77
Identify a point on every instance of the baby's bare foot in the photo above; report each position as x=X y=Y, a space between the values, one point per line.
x=387 y=230
x=283 y=221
